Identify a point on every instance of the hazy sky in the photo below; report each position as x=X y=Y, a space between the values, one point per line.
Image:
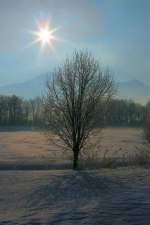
x=117 y=32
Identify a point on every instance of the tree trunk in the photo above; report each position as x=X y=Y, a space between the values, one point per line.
x=75 y=160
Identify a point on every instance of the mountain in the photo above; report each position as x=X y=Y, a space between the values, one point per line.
x=132 y=89
x=29 y=89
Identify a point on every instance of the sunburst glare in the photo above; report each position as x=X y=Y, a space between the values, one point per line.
x=45 y=34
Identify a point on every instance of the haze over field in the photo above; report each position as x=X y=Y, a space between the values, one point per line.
x=28 y=149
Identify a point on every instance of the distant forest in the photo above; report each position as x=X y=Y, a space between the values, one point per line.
x=17 y=111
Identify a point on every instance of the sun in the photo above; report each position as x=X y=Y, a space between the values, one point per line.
x=45 y=34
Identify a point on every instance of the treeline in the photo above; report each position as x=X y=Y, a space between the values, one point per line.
x=125 y=113
x=17 y=111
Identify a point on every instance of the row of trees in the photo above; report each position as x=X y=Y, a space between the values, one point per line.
x=17 y=111
x=125 y=113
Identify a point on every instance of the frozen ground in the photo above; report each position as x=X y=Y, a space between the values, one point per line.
x=64 y=197
x=31 y=150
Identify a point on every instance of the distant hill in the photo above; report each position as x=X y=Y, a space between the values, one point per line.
x=29 y=89
x=133 y=89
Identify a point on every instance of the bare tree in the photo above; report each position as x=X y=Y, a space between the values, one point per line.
x=147 y=122
x=73 y=97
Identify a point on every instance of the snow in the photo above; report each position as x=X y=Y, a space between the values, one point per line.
x=75 y=197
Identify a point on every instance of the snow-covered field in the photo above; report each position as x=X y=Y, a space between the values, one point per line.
x=65 y=197
x=107 y=197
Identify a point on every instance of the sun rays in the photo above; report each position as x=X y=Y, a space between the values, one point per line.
x=44 y=34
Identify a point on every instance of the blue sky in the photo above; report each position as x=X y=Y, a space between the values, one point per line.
x=117 y=32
